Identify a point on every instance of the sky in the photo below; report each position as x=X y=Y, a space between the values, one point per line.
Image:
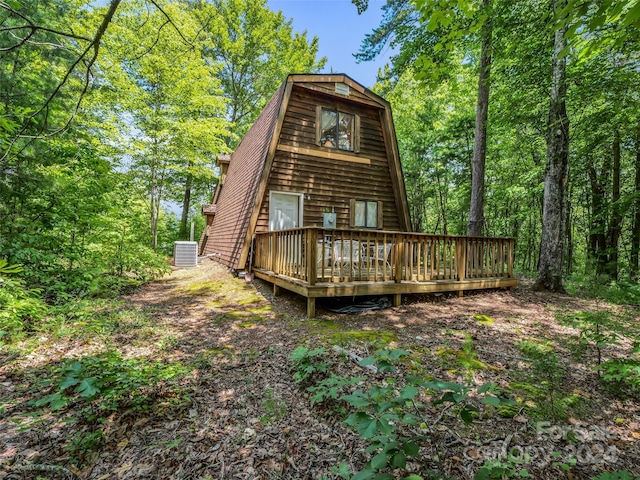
x=340 y=31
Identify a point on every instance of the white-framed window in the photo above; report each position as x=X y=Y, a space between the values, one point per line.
x=337 y=129
x=366 y=214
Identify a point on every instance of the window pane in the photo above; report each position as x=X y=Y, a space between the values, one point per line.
x=345 y=132
x=360 y=214
x=328 y=128
x=372 y=214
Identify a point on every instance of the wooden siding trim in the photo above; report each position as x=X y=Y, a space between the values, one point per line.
x=262 y=187
x=324 y=154
x=395 y=168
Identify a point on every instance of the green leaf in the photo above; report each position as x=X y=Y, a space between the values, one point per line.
x=379 y=461
x=356 y=400
x=495 y=401
x=87 y=387
x=486 y=387
x=413 y=476
x=441 y=386
x=468 y=414
x=383 y=476
x=408 y=392
x=367 y=361
x=399 y=460
x=365 y=474
x=367 y=428
x=411 y=449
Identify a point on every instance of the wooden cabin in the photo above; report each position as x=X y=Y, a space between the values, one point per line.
x=313 y=200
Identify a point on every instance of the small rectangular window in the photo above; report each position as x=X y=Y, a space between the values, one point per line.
x=366 y=214
x=337 y=129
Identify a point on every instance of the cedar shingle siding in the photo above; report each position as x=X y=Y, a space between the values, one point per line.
x=328 y=178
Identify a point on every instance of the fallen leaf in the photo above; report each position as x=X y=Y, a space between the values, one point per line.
x=473 y=453
x=521 y=419
x=123 y=469
x=582 y=393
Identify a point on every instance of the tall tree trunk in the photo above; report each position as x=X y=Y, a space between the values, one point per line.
x=597 y=230
x=616 y=217
x=476 y=210
x=556 y=173
x=635 y=237
x=186 y=202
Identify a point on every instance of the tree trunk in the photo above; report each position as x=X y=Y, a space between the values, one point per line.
x=635 y=237
x=186 y=202
x=476 y=210
x=597 y=235
x=556 y=174
x=616 y=217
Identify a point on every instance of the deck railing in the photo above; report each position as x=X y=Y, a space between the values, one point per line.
x=315 y=255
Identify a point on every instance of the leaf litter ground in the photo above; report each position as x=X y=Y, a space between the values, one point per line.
x=238 y=414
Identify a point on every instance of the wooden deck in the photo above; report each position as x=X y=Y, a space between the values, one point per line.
x=316 y=263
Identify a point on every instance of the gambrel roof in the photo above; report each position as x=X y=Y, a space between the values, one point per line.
x=239 y=201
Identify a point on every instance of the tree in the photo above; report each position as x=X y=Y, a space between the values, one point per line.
x=476 y=210
x=552 y=244
x=256 y=48
x=39 y=30
x=173 y=113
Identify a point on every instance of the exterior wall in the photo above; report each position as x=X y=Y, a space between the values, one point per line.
x=331 y=182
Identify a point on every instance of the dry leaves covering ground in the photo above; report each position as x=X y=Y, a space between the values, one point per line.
x=239 y=414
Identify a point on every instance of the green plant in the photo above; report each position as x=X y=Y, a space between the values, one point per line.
x=624 y=372
x=83 y=444
x=385 y=415
x=546 y=370
x=305 y=363
x=597 y=329
x=275 y=408
x=504 y=468
x=112 y=382
x=20 y=307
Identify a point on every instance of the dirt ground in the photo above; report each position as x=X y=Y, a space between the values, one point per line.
x=243 y=417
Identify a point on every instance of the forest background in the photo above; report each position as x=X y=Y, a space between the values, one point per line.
x=109 y=112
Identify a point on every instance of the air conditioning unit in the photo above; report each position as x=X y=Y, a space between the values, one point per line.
x=185 y=254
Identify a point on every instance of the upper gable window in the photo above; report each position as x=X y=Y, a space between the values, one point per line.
x=337 y=129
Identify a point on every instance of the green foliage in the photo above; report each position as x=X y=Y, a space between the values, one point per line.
x=601 y=328
x=387 y=415
x=624 y=373
x=83 y=444
x=331 y=388
x=501 y=469
x=107 y=382
x=20 y=307
x=546 y=372
x=275 y=408
x=307 y=363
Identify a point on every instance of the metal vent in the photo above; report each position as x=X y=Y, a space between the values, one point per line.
x=342 y=88
x=185 y=254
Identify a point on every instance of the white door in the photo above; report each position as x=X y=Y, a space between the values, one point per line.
x=284 y=211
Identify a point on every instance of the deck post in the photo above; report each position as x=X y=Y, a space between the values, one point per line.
x=461 y=254
x=397 y=299
x=311 y=307
x=399 y=258
x=312 y=256
x=276 y=290
x=512 y=242
x=274 y=253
